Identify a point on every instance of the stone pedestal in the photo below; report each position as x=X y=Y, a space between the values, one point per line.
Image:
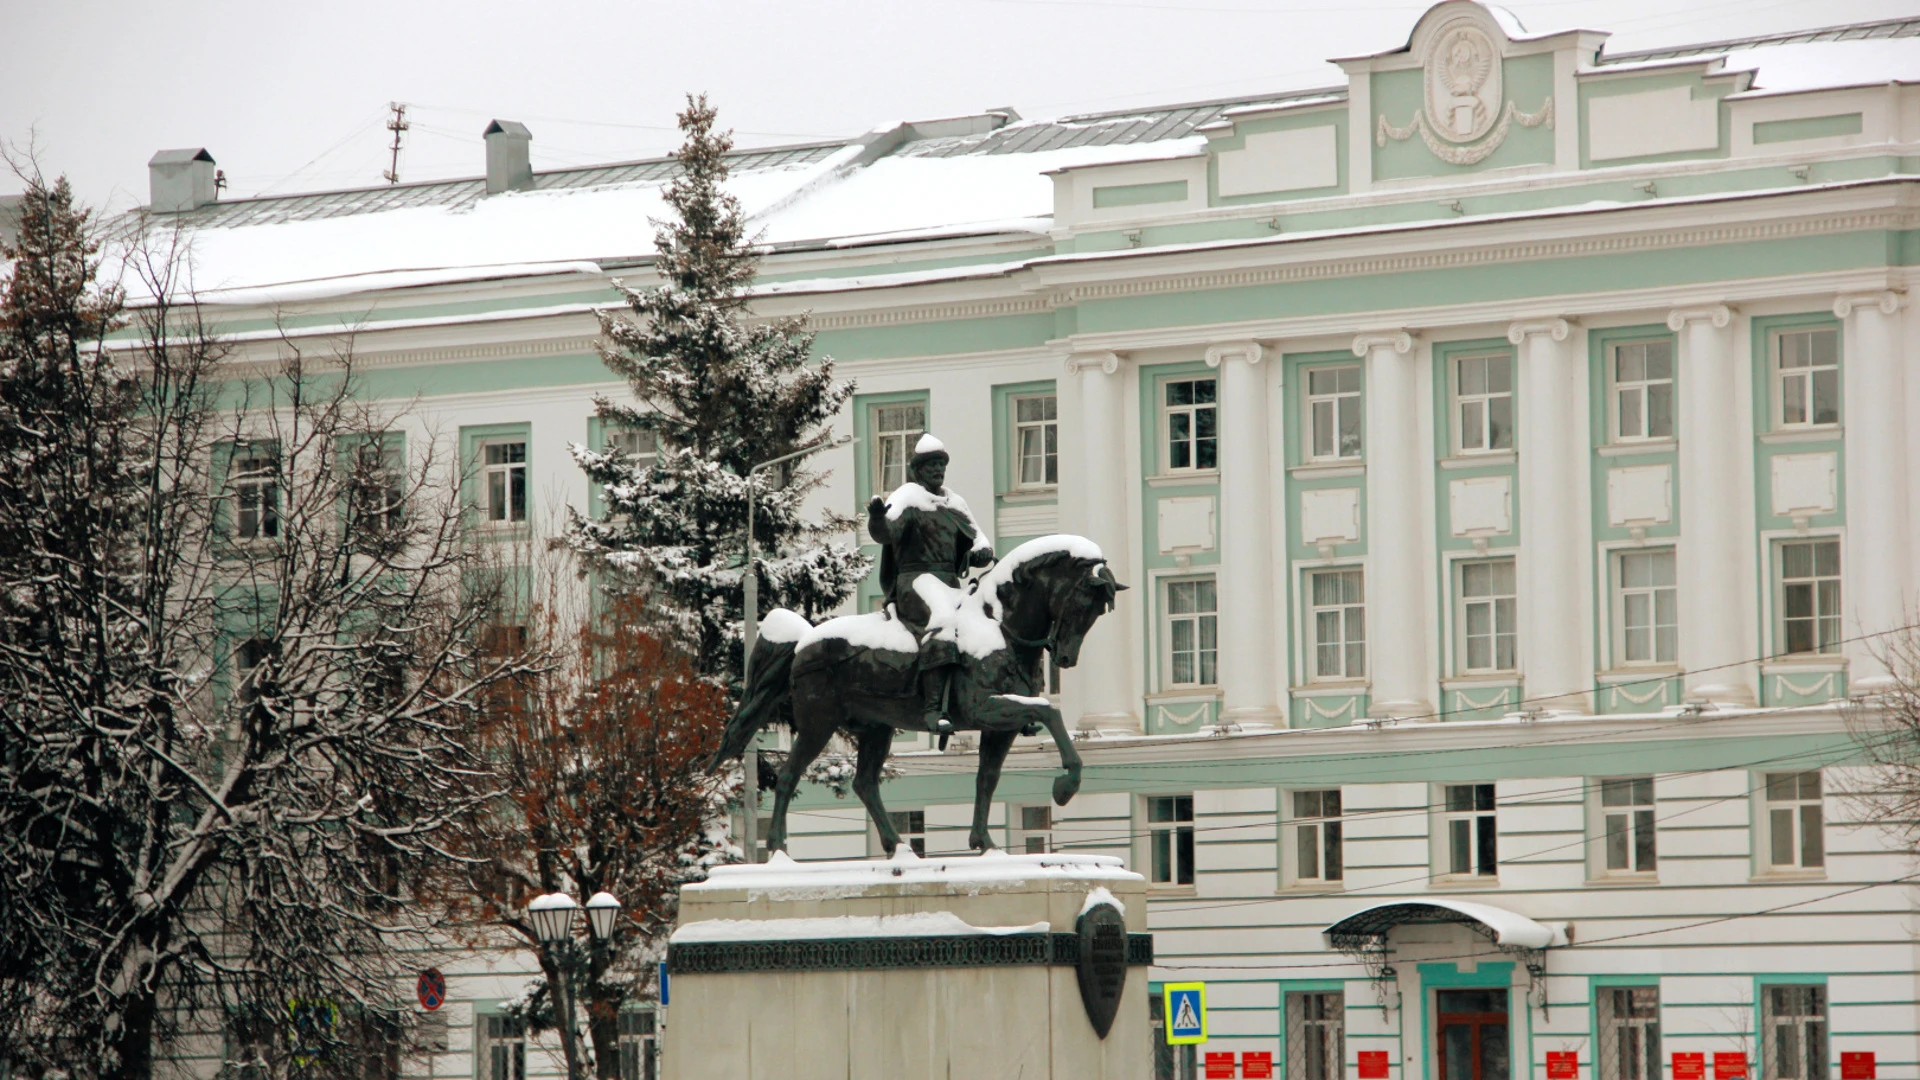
x=906 y=969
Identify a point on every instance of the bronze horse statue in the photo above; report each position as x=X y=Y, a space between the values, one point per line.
x=857 y=674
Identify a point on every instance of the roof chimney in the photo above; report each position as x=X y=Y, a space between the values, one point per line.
x=180 y=180
x=509 y=166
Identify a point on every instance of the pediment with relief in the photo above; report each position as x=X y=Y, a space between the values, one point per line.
x=1466 y=114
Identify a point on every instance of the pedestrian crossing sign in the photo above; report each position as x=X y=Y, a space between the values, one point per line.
x=1185 y=1009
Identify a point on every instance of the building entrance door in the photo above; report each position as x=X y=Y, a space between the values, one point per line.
x=1472 y=1034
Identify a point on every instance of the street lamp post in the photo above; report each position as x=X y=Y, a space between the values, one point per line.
x=750 y=795
x=553 y=918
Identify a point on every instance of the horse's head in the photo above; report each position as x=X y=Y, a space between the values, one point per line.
x=1057 y=593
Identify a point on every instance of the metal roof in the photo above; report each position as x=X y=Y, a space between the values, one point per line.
x=1368 y=928
x=1885 y=28
x=1121 y=126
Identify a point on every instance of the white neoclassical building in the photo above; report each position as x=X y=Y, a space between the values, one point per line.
x=1509 y=450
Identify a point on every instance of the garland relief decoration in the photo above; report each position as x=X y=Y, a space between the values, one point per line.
x=1466 y=117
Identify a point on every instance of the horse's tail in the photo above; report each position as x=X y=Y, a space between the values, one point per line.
x=766 y=699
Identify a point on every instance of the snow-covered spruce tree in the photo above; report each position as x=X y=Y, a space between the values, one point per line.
x=238 y=674
x=720 y=392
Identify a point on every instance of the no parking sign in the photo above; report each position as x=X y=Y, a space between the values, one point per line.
x=431 y=988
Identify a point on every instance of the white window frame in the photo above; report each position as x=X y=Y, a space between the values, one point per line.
x=638 y=445
x=1617 y=824
x=1046 y=430
x=1799 y=812
x=254 y=475
x=1327 y=1064
x=1482 y=401
x=1611 y=1027
x=485 y=1042
x=504 y=471
x=1192 y=413
x=1312 y=816
x=1346 y=611
x=1624 y=596
x=1325 y=409
x=637 y=1039
x=887 y=476
x=1165 y=826
x=1806 y=376
x=1444 y=819
x=1032 y=828
x=388 y=479
x=1642 y=390
x=1815 y=1020
x=1462 y=612
x=1200 y=620
x=1828 y=638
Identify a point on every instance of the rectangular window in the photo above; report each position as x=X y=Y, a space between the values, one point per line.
x=1339 y=615
x=1193 y=633
x=642 y=448
x=896 y=428
x=502 y=1048
x=1191 y=416
x=503 y=482
x=1170 y=839
x=254 y=475
x=912 y=827
x=1796 y=830
x=1626 y=819
x=1315 y=827
x=1643 y=390
x=1036 y=830
x=638 y=1059
x=1807 y=376
x=1483 y=395
x=376 y=486
x=1316 y=1035
x=1334 y=412
x=1794 y=1039
x=1647 y=607
x=1629 y=1032
x=1810 y=596
x=1487 y=614
x=1469 y=831
x=1036 y=441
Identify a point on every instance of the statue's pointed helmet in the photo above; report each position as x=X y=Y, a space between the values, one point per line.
x=928 y=449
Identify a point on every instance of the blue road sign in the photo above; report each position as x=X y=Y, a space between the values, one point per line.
x=1186 y=1013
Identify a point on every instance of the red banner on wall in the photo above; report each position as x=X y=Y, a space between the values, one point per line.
x=1856 y=1065
x=1689 y=1067
x=1373 y=1065
x=1563 y=1065
x=1730 y=1065
x=1256 y=1065
x=1219 y=1066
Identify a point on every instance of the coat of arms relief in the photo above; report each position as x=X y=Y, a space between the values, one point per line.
x=1466 y=116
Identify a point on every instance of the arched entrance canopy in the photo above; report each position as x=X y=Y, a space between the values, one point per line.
x=1366 y=930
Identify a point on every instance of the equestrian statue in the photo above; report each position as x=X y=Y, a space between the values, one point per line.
x=948 y=653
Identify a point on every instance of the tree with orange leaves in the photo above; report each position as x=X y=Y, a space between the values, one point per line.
x=604 y=764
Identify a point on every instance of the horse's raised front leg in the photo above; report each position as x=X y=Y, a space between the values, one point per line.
x=1066 y=784
x=993 y=754
x=808 y=741
x=875 y=743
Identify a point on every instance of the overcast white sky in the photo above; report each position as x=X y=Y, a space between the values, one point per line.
x=293 y=97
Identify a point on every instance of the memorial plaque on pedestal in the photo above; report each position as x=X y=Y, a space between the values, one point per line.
x=1103 y=963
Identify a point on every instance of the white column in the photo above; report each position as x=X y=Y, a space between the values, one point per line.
x=1878 y=588
x=1247 y=603
x=1715 y=527
x=1553 y=523
x=1396 y=612
x=1106 y=658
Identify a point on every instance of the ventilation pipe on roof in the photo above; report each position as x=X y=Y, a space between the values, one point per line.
x=180 y=180
x=509 y=163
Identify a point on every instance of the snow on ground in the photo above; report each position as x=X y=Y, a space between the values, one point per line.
x=918 y=924
x=1811 y=65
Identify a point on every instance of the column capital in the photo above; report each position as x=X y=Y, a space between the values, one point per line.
x=1556 y=328
x=1887 y=301
x=1398 y=340
x=1720 y=315
x=1106 y=362
x=1250 y=351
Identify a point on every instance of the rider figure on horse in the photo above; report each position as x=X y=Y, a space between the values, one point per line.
x=925 y=530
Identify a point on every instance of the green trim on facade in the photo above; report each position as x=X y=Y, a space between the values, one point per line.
x=1333 y=115
x=1702 y=88
x=1806 y=127
x=1488 y=974
x=471 y=438
x=1164 y=191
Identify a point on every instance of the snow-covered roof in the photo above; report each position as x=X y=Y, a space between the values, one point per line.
x=782 y=878
x=1507 y=929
